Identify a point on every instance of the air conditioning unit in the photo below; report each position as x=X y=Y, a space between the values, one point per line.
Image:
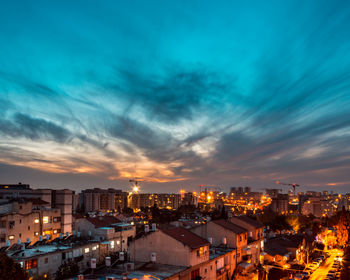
x=153 y=257
x=130 y=266
x=224 y=240
x=154 y=227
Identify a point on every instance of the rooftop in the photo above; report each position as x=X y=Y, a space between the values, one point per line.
x=230 y=226
x=249 y=221
x=186 y=237
x=102 y=221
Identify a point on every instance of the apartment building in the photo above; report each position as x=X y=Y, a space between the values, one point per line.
x=46 y=257
x=106 y=228
x=102 y=200
x=60 y=199
x=224 y=233
x=319 y=207
x=28 y=220
x=255 y=235
x=188 y=250
x=162 y=200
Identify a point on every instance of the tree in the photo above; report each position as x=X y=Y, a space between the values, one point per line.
x=67 y=270
x=342 y=228
x=293 y=221
x=9 y=269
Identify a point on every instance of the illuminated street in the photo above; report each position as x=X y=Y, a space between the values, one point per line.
x=322 y=271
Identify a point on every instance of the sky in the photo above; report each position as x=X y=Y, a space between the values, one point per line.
x=175 y=93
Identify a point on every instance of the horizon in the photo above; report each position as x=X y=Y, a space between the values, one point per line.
x=176 y=94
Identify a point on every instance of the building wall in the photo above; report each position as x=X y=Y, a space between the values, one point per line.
x=50 y=262
x=26 y=224
x=63 y=200
x=24 y=227
x=167 y=249
x=256 y=235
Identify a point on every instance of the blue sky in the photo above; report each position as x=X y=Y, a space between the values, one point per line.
x=178 y=93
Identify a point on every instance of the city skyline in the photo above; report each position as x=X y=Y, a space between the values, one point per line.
x=177 y=94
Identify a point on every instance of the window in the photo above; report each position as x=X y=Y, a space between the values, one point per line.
x=245 y=237
x=28 y=227
x=45 y=219
x=20 y=221
x=240 y=238
x=200 y=252
x=195 y=274
x=86 y=250
x=36 y=221
x=31 y=264
x=11 y=224
x=20 y=235
x=46 y=260
x=56 y=219
x=11 y=237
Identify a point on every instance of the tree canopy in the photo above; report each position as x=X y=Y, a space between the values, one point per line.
x=9 y=269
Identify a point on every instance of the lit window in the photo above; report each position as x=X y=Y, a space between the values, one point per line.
x=11 y=237
x=87 y=250
x=55 y=231
x=36 y=221
x=118 y=242
x=45 y=219
x=31 y=264
x=112 y=244
x=94 y=248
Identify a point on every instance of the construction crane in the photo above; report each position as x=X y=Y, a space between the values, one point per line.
x=294 y=185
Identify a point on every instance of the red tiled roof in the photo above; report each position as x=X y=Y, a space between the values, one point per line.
x=249 y=221
x=230 y=226
x=103 y=221
x=186 y=237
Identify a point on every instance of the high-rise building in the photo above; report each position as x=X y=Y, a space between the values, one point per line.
x=318 y=207
x=279 y=204
x=28 y=220
x=63 y=200
x=102 y=200
x=60 y=199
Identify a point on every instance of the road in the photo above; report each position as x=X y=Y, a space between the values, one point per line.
x=321 y=272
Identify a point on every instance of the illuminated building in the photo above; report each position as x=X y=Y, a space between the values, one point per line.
x=102 y=200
